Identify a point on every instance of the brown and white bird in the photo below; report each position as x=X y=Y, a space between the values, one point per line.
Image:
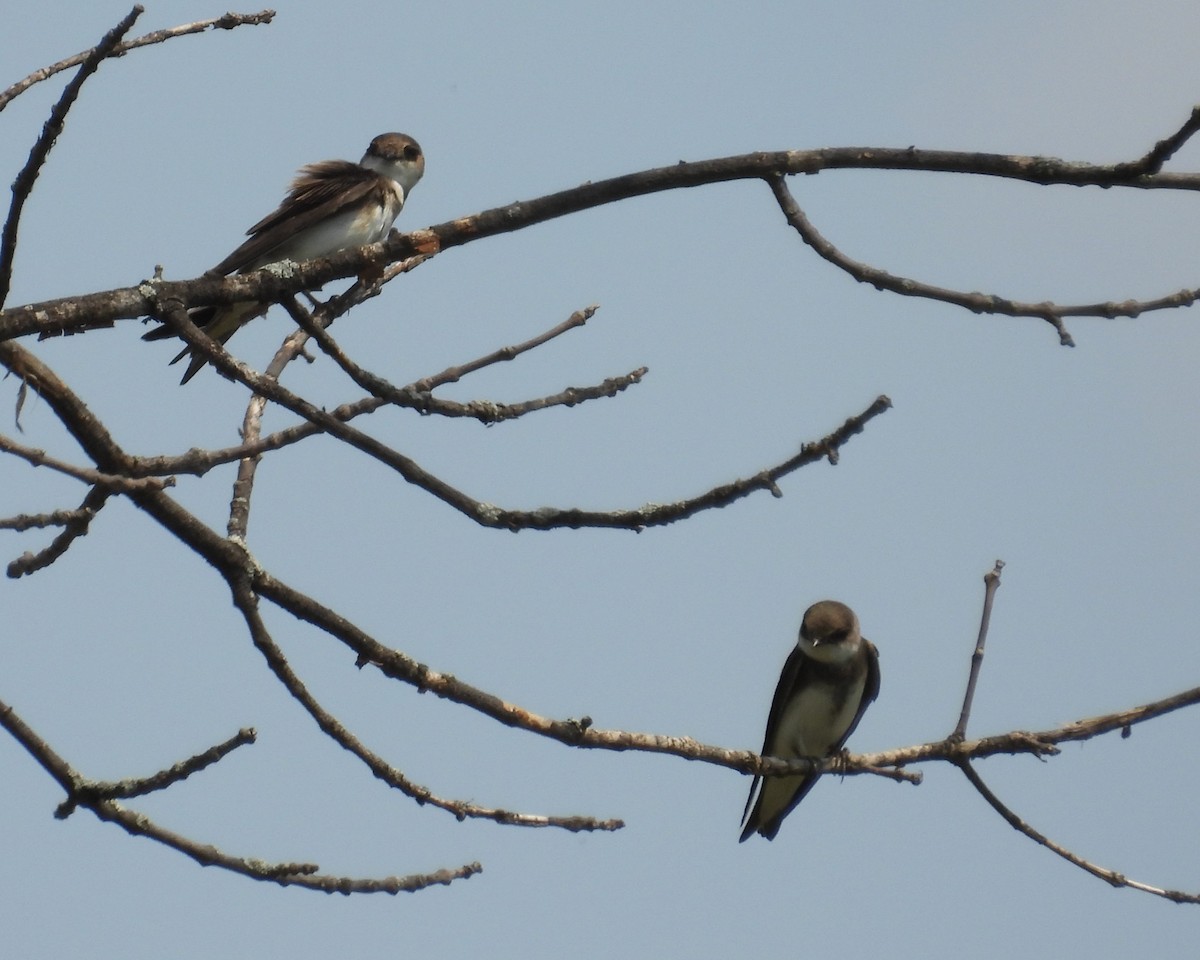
x=331 y=206
x=826 y=684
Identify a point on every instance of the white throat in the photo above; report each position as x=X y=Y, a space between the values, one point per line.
x=404 y=172
x=830 y=651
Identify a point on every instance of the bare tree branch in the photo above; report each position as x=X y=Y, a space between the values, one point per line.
x=1164 y=150
x=882 y=280
x=199 y=462
x=273 y=284
x=58 y=518
x=247 y=604
x=83 y=793
x=1043 y=744
x=143 y=480
x=23 y=185
x=227 y=21
x=490 y=515
x=73 y=529
x=1109 y=876
x=991 y=583
x=140 y=786
x=116 y=482
x=484 y=411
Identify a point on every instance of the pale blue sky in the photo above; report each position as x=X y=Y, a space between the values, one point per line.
x=1077 y=467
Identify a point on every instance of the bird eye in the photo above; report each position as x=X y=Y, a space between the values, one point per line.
x=411 y=152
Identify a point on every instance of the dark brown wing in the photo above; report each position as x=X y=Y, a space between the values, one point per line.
x=783 y=693
x=319 y=191
x=870 y=692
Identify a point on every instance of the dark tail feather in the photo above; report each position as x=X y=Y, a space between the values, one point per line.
x=200 y=316
x=194 y=365
x=768 y=828
x=161 y=332
x=748 y=828
x=219 y=323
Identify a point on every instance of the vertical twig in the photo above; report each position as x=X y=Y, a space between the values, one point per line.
x=991 y=581
x=243 y=486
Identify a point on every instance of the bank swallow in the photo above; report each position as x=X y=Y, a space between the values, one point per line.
x=826 y=684
x=331 y=206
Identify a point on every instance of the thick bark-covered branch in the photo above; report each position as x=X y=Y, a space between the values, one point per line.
x=80 y=313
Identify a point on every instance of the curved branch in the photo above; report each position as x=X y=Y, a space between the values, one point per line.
x=82 y=792
x=882 y=280
x=67 y=315
x=1109 y=876
x=303 y=875
x=247 y=604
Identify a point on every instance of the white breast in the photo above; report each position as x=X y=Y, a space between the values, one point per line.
x=813 y=722
x=351 y=228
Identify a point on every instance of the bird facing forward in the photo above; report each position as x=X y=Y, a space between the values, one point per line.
x=826 y=684
x=331 y=206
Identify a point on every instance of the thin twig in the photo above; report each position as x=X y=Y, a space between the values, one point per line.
x=991 y=583
x=504 y=354
x=291 y=348
x=1109 y=876
x=1166 y=148
x=227 y=21
x=140 y=786
x=93 y=501
x=1039 y=743
x=882 y=280
x=238 y=525
x=485 y=411
x=23 y=185
x=34 y=521
x=303 y=875
x=114 y=482
x=199 y=462
x=332 y=309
